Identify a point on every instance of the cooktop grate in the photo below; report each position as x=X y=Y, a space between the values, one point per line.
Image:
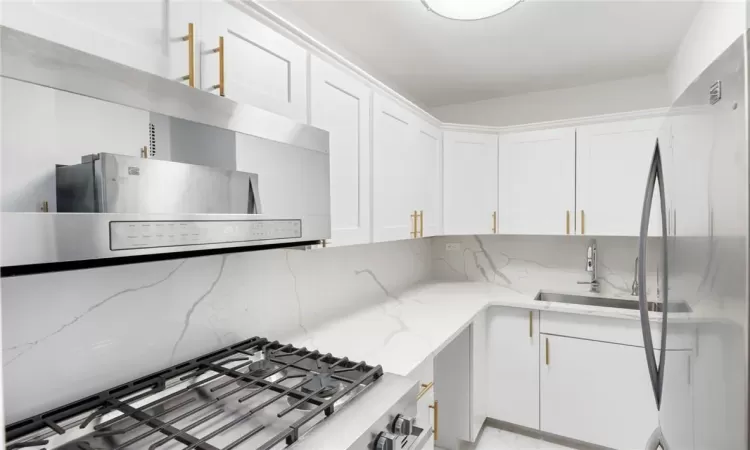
x=127 y=417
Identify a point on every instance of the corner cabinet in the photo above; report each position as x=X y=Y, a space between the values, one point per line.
x=260 y=66
x=537 y=182
x=612 y=164
x=469 y=183
x=406 y=173
x=340 y=104
x=513 y=366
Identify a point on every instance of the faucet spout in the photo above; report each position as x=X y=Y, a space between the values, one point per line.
x=591 y=266
x=635 y=288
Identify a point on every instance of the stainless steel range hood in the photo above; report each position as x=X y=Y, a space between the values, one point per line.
x=234 y=177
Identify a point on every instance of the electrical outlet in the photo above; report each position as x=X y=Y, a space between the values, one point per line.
x=452 y=247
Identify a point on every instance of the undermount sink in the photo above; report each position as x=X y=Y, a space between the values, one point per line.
x=677 y=307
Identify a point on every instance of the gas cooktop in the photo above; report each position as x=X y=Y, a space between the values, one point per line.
x=254 y=394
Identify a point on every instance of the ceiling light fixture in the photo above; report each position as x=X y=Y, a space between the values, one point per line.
x=469 y=9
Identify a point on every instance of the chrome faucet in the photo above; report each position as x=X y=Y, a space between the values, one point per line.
x=634 y=290
x=591 y=266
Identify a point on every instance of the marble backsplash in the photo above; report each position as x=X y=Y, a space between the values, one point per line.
x=96 y=328
x=527 y=264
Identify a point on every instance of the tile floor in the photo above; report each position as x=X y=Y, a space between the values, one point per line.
x=494 y=439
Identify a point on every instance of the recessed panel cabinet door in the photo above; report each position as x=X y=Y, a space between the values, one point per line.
x=470 y=182
x=595 y=392
x=340 y=105
x=395 y=183
x=145 y=35
x=613 y=160
x=429 y=182
x=261 y=67
x=537 y=182
x=513 y=366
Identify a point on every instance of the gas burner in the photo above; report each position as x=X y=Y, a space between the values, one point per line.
x=322 y=381
x=259 y=369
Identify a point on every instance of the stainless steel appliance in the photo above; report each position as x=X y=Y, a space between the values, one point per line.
x=254 y=394
x=107 y=183
x=227 y=176
x=700 y=167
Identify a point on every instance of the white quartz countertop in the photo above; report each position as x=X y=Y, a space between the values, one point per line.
x=401 y=332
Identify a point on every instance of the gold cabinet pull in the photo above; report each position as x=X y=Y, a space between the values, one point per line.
x=494 y=222
x=425 y=388
x=421 y=223
x=220 y=51
x=567 y=222
x=414 y=217
x=45 y=206
x=583 y=223
x=190 y=38
x=531 y=324
x=434 y=408
x=546 y=350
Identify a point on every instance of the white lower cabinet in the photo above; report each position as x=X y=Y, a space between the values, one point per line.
x=426 y=398
x=513 y=366
x=595 y=392
x=453 y=392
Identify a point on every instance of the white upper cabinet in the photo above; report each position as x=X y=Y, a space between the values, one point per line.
x=261 y=67
x=613 y=160
x=146 y=35
x=469 y=183
x=692 y=134
x=340 y=104
x=395 y=159
x=537 y=182
x=429 y=182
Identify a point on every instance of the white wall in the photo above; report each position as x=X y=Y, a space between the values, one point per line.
x=715 y=27
x=630 y=94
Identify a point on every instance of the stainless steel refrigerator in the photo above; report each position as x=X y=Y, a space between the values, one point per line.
x=699 y=182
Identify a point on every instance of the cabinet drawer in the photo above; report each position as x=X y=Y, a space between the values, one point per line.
x=619 y=331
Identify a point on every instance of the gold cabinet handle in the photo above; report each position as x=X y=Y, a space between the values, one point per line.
x=583 y=223
x=414 y=217
x=531 y=324
x=220 y=51
x=494 y=222
x=190 y=38
x=45 y=206
x=421 y=223
x=546 y=351
x=434 y=408
x=425 y=388
x=567 y=222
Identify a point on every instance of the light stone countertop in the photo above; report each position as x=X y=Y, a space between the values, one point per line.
x=402 y=332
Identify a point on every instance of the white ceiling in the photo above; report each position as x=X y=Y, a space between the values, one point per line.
x=538 y=45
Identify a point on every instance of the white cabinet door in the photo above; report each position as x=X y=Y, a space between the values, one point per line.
x=142 y=34
x=261 y=67
x=340 y=104
x=394 y=158
x=478 y=374
x=424 y=374
x=537 y=182
x=595 y=392
x=43 y=127
x=453 y=392
x=470 y=182
x=429 y=182
x=513 y=366
x=613 y=161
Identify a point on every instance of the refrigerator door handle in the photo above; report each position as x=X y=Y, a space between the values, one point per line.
x=656 y=373
x=656 y=441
